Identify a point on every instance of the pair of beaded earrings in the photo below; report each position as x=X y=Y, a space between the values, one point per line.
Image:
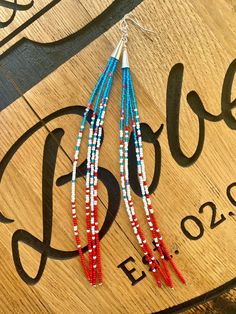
x=128 y=115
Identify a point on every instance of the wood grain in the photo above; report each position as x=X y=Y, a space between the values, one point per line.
x=200 y=36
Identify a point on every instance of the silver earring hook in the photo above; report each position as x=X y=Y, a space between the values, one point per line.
x=124 y=26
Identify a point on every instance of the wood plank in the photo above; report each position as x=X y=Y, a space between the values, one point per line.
x=45 y=27
x=188 y=34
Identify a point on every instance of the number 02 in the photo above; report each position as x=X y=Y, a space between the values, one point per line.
x=214 y=222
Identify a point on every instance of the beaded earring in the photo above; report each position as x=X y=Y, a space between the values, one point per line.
x=128 y=115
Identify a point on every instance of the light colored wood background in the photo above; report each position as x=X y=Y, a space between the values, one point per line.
x=199 y=34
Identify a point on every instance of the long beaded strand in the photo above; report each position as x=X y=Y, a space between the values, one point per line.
x=152 y=224
x=141 y=169
x=87 y=201
x=92 y=168
x=124 y=174
x=93 y=174
x=73 y=190
x=142 y=174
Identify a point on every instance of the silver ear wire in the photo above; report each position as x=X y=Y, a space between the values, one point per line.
x=124 y=29
x=124 y=26
x=125 y=34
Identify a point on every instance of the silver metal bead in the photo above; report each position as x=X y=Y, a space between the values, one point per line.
x=125 y=60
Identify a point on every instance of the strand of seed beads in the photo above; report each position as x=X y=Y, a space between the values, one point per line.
x=96 y=178
x=141 y=176
x=93 y=182
x=93 y=176
x=126 y=187
x=151 y=218
x=95 y=248
x=89 y=185
x=73 y=185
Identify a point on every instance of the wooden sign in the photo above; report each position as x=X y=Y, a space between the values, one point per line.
x=52 y=53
